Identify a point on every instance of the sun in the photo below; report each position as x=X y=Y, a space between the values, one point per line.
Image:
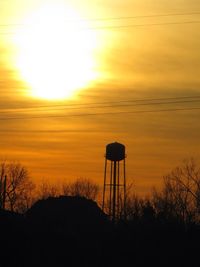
x=55 y=52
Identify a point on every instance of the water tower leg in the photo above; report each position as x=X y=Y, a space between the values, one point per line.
x=118 y=191
x=111 y=186
x=114 y=192
x=104 y=185
x=124 y=189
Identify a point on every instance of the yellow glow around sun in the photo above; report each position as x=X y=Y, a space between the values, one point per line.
x=55 y=53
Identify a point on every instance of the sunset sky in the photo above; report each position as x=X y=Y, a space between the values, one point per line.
x=77 y=75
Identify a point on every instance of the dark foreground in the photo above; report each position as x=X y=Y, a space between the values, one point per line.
x=69 y=231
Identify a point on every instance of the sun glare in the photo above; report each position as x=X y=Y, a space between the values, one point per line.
x=56 y=52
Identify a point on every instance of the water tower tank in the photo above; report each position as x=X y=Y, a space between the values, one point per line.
x=115 y=152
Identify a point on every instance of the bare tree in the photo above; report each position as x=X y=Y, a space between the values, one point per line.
x=2 y=184
x=180 y=195
x=134 y=207
x=19 y=187
x=46 y=190
x=82 y=187
x=137 y=208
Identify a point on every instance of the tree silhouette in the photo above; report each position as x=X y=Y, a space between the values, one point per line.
x=82 y=187
x=3 y=179
x=47 y=190
x=19 y=187
x=180 y=197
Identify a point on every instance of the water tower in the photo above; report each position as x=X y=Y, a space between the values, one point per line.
x=114 y=188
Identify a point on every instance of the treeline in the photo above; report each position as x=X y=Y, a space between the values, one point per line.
x=177 y=201
x=161 y=230
x=18 y=192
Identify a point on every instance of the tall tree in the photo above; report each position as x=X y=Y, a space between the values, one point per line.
x=19 y=187
x=180 y=197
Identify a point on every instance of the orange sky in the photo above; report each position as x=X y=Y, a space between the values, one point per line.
x=140 y=62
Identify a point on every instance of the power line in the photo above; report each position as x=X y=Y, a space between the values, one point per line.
x=99 y=104
x=148 y=16
x=117 y=105
x=143 y=16
x=128 y=26
x=99 y=114
x=115 y=18
x=141 y=25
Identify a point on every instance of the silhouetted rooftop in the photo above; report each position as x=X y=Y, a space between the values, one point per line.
x=66 y=213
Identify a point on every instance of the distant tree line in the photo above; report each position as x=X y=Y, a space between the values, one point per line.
x=178 y=201
x=81 y=187
x=20 y=192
